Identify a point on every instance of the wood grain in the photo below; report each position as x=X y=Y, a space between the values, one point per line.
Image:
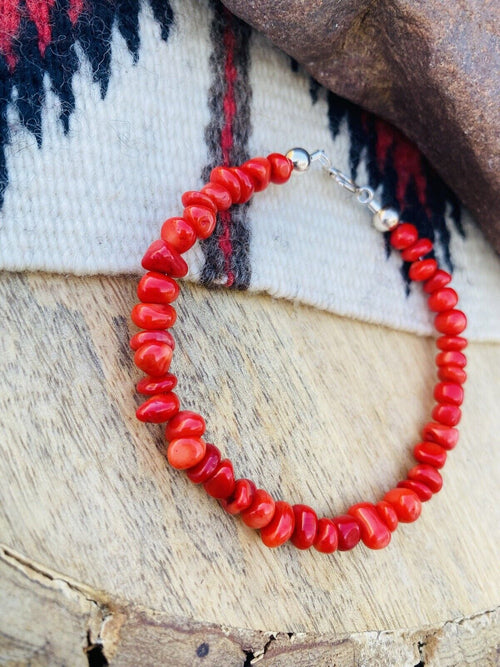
x=85 y=626
x=315 y=408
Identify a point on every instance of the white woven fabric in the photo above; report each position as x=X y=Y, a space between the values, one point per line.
x=92 y=201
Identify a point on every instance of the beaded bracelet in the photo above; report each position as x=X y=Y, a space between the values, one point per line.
x=278 y=521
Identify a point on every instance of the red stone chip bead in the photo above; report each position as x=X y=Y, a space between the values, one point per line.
x=422 y=269
x=153 y=315
x=246 y=185
x=439 y=279
x=419 y=249
x=221 y=483
x=281 y=168
x=241 y=497
x=220 y=195
x=428 y=475
x=281 y=526
x=374 y=531
x=452 y=373
x=162 y=257
x=225 y=177
x=443 y=299
x=306 y=523
x=430 y=453
x=388 y=514
x=450 y=322
x=450 y=415
x=451 y=357
x=206 y=467
x=327 y=536
x=157 y=288
x=446 y=436
x=454 y=343
x=422 y=491
x=156 y=385
x=259 y=170
x=179 y=234
x=403 y=236
x=193 y=197
x=260 y=512
x=185 y=453
x=185 y=424
x=154 y=336
x=406 y=503
x=349 y=532
x=202 y=219
x=158 y=409
x=154 y=358
x=449 y=392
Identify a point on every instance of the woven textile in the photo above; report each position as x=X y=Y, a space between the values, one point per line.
x=109 y=111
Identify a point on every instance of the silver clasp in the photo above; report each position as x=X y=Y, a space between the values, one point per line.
x=384 y=218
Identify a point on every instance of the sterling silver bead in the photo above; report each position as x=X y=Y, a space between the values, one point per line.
x=300 y=158
x=385 y=219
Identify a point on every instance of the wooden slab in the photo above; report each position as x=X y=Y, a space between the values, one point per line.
x=315 y=408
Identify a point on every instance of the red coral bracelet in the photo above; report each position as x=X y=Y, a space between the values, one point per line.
x=278 y=521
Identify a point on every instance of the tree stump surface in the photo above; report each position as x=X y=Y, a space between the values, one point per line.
x=109 y=556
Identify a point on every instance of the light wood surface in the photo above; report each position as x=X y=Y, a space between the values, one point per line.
x=104 y=542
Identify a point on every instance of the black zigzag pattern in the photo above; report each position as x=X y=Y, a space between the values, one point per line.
x=92 y=31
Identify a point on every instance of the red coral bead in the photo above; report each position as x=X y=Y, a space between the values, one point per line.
x=452 y=374
x=419 y=249
x=179 y=234
x=193 y=197
x=430 y=453
x=422 y=269
x=451 y=357
x=446 y=436
x=260 y=512
x=388 y=514
x=403 y=236
x=153 y=315
x=259 y=170
x=157 y=288
x=206 y=467
x=306 y=523
x=202 y=220
x=327 y=536
x=246 y=185
x=154 y=358
x=152 y=337
x=219 y=195
x=439 y=279
x=225 y=177
x=450 y=322
x=158 y=409
x=446 y=414
x=156 y=385
x=348 y=530
x=281 y=169
x=406 y=503
x=443 y=299
x=374 y=532
x=160 y=256
x=241 y=498
x=449 y=392
x=422 y=491
x=221 y=483
x=281 y=526
x=427 y=475
x=185 y=453
x=455 y=343
x=185 y=424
